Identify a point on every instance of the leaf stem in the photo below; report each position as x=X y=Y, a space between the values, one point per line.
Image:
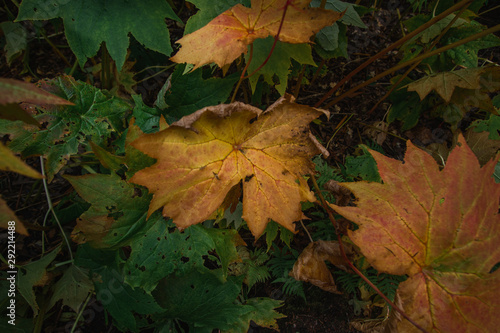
x=274 y=43
x=80 y=312
x=354 y=268
x=51 y=209
x=242 y=76
x=391 y=47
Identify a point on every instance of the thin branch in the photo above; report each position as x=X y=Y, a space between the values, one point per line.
x=51 y=208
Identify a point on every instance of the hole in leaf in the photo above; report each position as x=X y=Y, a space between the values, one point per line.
x=184 y=259
x=252 y=120
x=494 y=268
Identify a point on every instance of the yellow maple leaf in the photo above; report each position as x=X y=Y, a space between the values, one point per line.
x=204 y=155
x=226 y=37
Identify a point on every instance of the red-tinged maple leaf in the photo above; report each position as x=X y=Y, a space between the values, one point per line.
x=204 y=155
x=226 y=37
x=442 y=229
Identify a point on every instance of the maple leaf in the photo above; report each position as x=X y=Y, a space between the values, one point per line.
x=88 y=24
x=442 y=229
x=445 y=83
x=202 y=156
x=226 y=37
x=311 y=267
x=279 y=63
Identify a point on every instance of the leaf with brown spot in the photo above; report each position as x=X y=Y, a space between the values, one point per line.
x=202 y=156
x=442 y=229
x=226 y=37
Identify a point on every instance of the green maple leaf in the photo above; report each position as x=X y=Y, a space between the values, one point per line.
x=161 y=252
x=279 y=63
x=94 y=116
x=118 y=298
x=205 y=301
x=89 y=23
x=117 y=213
x=73 y=288
x=190 y=92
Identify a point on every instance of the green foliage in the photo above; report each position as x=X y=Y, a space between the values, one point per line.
x=118 y=298
x=147 y=274
x=271 y=232
x=490 y=125
x=385 y=282
x=94 y=117
x=73 y=288
x=406 y=105
x=252 y=266
x=279 y=64
x=332 y=41
x=363 y=165
x=89 y=24
x=208 y=10
x=185 y=297
x=326 y=172
x=280 y=265
x=31 y=275
x=16 y=39
x=116 y=215
x=187 y=93
x=463 y=55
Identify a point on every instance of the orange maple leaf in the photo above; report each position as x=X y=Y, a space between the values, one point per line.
x=226 y=37
x=204 y=155
x=442 y=229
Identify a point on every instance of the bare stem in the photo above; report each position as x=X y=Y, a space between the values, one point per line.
x=51 y=209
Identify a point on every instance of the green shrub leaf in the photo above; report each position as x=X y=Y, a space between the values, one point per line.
x=89 y=23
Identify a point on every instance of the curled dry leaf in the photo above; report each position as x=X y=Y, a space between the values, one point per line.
x=442 y=229
x=226 y=37
x=341 y=194
x=204 y=155
x=311 y=267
